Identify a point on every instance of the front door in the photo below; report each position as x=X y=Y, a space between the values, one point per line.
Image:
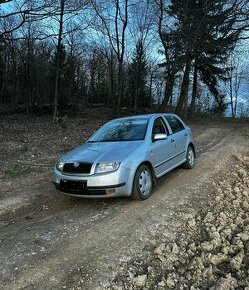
x=161 y=150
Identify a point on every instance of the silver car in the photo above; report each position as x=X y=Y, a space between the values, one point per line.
x=125 y=157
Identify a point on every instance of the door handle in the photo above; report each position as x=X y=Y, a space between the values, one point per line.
x=172 y=140
x=186 y=134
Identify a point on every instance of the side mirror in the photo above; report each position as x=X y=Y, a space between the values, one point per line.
x=158 y=137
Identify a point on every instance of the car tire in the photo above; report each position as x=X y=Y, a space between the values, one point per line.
x=143 y=183
x=190 y=156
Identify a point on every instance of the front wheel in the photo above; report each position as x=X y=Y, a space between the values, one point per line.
x=190 y=156
x=143 y=183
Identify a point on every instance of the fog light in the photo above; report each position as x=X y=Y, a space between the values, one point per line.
x=57 y=180
x=110 y=191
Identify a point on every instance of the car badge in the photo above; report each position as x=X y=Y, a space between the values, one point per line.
x=76 y=164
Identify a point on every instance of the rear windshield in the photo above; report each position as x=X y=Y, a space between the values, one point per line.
x=122 y=130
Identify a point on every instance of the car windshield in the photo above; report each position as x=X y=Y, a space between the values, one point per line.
x=122 y=130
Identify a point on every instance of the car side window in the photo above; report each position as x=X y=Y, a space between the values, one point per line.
x=159 y=127
x=175 y=124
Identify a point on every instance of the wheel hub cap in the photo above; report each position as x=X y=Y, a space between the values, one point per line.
x=145 y=182
x=191 y=157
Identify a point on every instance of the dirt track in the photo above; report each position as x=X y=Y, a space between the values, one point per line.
x=50 y=241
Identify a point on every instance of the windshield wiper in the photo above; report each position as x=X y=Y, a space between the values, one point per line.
x=113 y=140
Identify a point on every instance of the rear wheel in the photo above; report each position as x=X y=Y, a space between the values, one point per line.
x=190 y=156
x=143 y=183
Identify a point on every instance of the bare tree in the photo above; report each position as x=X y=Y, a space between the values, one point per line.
x=235 y=78
x=58 y=58
x=194 y=92
x=113 y=21
x=67 y=9
x=141 y=24
x=19 y=12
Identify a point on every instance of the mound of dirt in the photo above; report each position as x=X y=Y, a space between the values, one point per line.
x=211 y=250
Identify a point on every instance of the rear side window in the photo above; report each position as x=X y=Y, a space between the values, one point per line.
x=175 y=124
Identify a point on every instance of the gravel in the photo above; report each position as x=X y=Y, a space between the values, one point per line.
x=210 y=249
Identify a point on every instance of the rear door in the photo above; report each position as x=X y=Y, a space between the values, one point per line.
x=179 y=137
x=161 y=150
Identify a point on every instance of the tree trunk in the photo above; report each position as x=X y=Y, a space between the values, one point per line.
x=136 y=89
x=135 y=98
x=2 y=93
x=4 y=76
x=236 y=91
x=194 y=93
x=120 y=88
x=168 y=92
x=111 y=87
x=235 y=106
x=58 y=61
x=28 y=79
x=231 y=92
x=150 y=90
x=184 y=89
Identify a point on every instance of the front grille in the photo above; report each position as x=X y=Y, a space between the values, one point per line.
x=77 y=167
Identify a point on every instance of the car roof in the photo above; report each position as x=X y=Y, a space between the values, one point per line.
x=145 y=116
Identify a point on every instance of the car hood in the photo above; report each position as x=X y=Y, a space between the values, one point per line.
x=102 y=151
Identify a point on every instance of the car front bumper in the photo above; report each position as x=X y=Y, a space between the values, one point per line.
x=112 y=184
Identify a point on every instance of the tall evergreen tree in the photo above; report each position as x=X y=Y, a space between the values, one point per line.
x=208 y=31
x=138 y=73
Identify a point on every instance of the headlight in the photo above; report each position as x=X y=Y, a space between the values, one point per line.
x=59 y=165
x=107 y=167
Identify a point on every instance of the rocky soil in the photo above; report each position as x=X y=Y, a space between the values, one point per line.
x=210 y=249
x=192 y=231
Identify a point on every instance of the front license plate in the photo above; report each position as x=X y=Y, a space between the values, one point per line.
x=74 y=185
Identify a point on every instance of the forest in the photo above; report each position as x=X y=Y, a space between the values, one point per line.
x=189 y=57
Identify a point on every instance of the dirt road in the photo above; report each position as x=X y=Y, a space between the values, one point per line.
x=51 y=241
